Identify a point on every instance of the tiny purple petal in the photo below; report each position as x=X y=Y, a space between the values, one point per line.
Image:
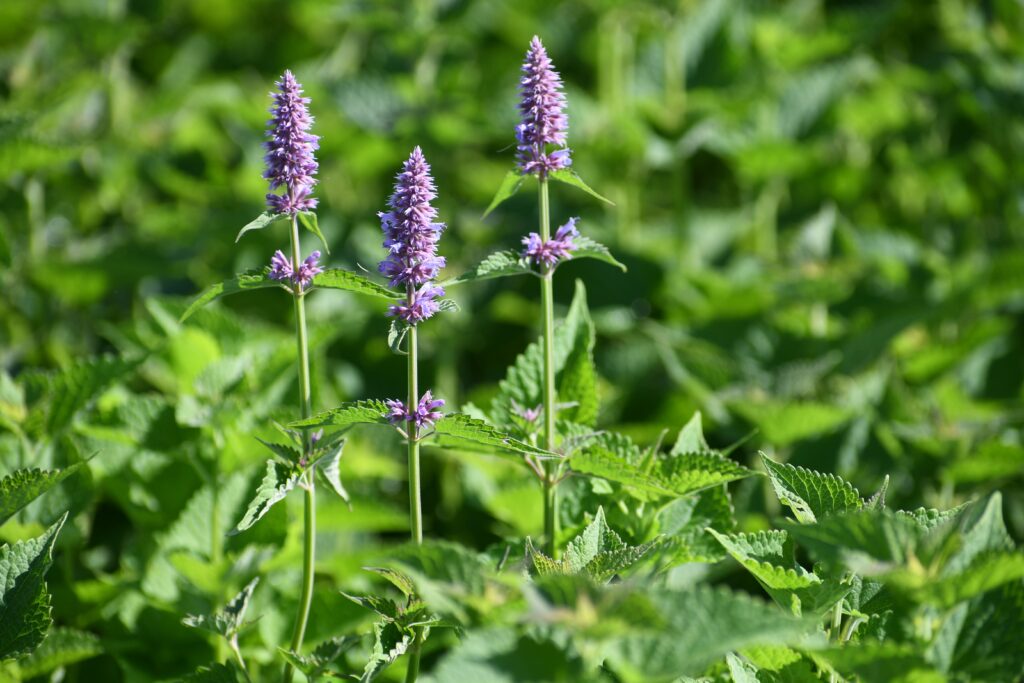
x=558 y=248
x=421 y=305
x=280 y=267
x=397 y=414
x=426 y=413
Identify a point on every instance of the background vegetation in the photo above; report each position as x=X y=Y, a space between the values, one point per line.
x=819 y=205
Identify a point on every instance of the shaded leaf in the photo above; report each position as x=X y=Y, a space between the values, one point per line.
x=510 y=184
x=278 y=481
x=310 y=222
x=569 y=177
x=262 y=221
x=254 y=279
x=21 y=487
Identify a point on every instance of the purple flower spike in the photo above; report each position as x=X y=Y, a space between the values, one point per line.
x=281 y=269
x=558 y=248
x=290 y=160
x=427 y=412
x=419 y=306
x=410 y=236
x=543 y=120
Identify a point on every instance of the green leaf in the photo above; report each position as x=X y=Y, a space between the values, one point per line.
x=253 y=279
x=228 y=621
x=768 y=555
x=589 y=248
x=597 y=552
x=316 y=663
x=499 y=264
x=783 y=423
x=691 y=437
x=309 y=222
x=524 y=381
x=510 y=184
x=24 y=600
x=577 y=381
x=868 y=542
x=67 y=392
x=673 y=476
x=569 y=177
x=278 y=481
x=398 y=579
x=460 y=426
x=21 y=487
x=328 y=469
x=811 y=495
x=684 y=521
x=346 y=280
x=263 y=220
x=214 y=673
x=690 y=629
x=497 y=654
x=62 y=647
x=396 y=335
x=389 y=643
x=356 y=412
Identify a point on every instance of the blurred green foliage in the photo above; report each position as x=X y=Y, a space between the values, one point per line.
x=819 y=204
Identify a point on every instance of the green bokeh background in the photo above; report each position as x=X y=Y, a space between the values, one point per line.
x=819 y=204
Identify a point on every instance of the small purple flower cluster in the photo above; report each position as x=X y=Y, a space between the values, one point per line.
x=281 y=269
x=410 y=236
x=289 y=158
x=548 y=254
x=426 y=414
x=543 y=120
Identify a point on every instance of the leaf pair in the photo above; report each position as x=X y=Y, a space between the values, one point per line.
x=597 y=552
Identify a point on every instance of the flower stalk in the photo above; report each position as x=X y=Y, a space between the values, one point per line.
x=550 y=395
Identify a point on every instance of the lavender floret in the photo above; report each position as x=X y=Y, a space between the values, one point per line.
x=426 y=413
x=290 y=160
x=410 y=236
x=558 y=248
x=281 y=269
x=543 y=120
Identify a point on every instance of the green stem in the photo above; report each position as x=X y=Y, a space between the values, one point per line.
x=415 y=503
x=238 y=658
x=415 y=499
x=550 y=397
x=306 y=408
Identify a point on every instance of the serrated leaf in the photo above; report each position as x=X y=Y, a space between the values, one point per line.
x=398 y=579
x=357 y=412
x=684 y=522
x=228 y=621
x=287 y=454
x=328 y=468
x=597 y=552
x=389 y=643
x=499 y=264
x=346 y=280
x=592 y=249
x=315 y=664
x=264 y=220
x=62 y=647
x=460 y=426
x=523 y=383
x=253 y=279
x=810 y=495
x=569 y=177
x=278 y=481
x=868 y=542
x=24 y=600
x=768 y=555
x=382 y=606
x=21 y=487
x=310 y=222
x=510 y=184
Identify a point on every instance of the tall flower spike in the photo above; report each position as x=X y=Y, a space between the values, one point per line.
x=410 y=236
x=290 y=160
x=543 y=120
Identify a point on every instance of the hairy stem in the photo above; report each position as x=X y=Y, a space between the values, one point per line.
x=306 y=408
x=415 y=500
x=550 y=397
